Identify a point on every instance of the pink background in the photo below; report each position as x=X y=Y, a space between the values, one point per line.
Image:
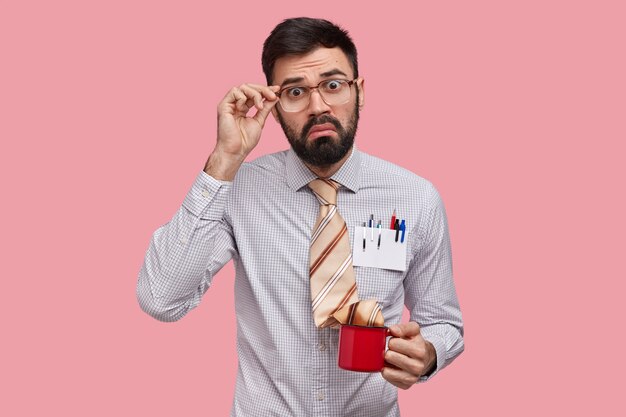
x=514 y=110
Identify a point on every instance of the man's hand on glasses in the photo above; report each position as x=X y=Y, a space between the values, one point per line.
x=237 y=132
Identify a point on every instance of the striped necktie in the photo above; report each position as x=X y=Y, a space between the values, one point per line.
x=333 y=287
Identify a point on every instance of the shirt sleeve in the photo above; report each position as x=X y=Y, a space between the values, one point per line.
x=430 y=295
x=185 y=254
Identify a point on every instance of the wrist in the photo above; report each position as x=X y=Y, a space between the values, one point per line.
x=223 y=166
x=431 y=365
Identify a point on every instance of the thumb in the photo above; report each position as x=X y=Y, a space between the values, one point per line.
x=405 y=330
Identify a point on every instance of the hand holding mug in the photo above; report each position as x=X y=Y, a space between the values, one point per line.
x=409 y=355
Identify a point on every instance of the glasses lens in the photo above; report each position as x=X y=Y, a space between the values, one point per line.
x=335 y=92
x=295 y=99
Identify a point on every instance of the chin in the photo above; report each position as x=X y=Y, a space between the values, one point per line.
x=321 y=141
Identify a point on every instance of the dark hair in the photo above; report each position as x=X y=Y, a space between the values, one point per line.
x=301 y=35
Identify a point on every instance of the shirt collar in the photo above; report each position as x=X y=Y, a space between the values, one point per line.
x=298 y=175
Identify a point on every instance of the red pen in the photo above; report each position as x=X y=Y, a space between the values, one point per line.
x=393 y=220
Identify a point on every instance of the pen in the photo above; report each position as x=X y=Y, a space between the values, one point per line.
x=364 y=226
x=396 y=226
x=403 y=228
x=380 y=230
x=393 y=220
x=372 y=225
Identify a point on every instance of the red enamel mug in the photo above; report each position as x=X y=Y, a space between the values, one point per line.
x=362 y=348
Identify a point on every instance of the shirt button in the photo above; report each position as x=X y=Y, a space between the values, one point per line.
x=320 y=395
x=205 y=193
x=322 y=347
x=183 y=241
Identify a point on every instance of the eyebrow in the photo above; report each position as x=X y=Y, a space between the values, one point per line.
x=330 y=73
x=291 y=80
x=335 y=71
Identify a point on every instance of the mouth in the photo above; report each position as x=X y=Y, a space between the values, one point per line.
x=318 y=131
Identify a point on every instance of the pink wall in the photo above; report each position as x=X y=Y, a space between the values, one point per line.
x=515 y=112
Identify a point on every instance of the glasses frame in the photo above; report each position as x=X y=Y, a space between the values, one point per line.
x=311 y=88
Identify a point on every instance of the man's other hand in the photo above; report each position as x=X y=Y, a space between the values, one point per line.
x=409 y=355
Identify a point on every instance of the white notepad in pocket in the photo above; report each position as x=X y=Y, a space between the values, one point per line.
x=390 y=255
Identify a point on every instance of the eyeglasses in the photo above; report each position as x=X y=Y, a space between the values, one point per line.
x=333 y=92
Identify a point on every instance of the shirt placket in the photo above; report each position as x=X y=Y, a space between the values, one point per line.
x=320 y=384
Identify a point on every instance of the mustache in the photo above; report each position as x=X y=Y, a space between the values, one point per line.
x=320 y=121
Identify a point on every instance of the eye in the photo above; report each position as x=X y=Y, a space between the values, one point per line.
x=333 y=85
x=295 y=92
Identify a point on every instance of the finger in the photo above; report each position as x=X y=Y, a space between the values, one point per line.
x=261 y=93
x=243 y=106
x=226 y=105
x=400 y=345
x=398 y=377
x=242 y=98
x=405 y=330
x=238 y=98
x=274 y=89
x=413 y=348
x=268 y=92
x=253 y=95
x=266 y=108
x=405 y=363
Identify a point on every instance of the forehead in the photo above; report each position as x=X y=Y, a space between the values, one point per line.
x=309 y=66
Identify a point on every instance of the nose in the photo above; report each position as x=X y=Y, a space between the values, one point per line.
x=317 y=105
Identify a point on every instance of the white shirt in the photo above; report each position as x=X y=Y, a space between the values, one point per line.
x=263 y=221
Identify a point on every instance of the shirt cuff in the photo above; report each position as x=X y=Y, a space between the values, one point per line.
x=207 y=197
x=440 y=348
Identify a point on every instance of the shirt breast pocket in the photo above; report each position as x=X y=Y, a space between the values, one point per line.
x=383 y=285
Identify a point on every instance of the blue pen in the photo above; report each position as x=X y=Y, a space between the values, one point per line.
x=403 y=229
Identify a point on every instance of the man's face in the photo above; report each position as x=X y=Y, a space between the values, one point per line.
x=320 y=134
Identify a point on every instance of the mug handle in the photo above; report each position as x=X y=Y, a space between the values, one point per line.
x=387 y=335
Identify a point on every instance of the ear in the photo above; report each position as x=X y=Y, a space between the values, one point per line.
x=360 y=84
x=275 y=114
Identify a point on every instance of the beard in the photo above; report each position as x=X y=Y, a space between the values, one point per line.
x=325 y=150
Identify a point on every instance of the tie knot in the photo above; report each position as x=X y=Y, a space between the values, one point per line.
x=325 y=190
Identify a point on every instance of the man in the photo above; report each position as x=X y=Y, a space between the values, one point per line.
x=262 y=215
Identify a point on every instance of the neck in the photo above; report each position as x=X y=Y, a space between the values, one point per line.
x=328 y=171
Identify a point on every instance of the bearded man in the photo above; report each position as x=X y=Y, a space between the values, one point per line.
x=270 y=215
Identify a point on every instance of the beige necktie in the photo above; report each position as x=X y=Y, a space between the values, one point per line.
x=333 y=287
